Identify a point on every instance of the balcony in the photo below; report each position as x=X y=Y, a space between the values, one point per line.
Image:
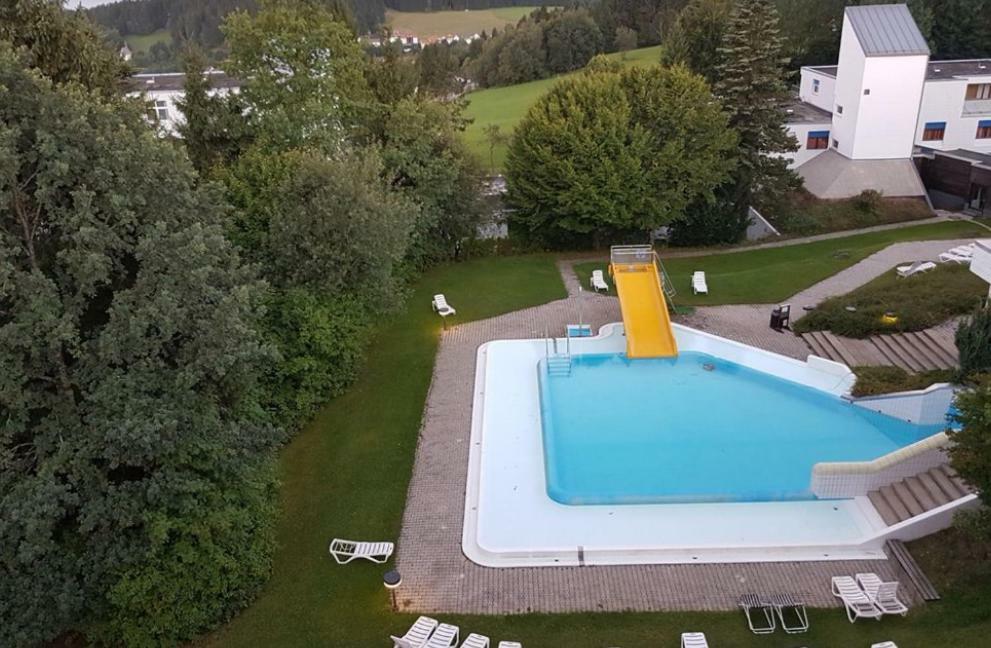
x=976 y=107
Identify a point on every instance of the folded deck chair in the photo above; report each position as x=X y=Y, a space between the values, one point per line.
x=598 y=282
x=344 y=551
x=950 y=257
x=916 y=268
x=760 y=615
x=510 y=644
x=699 y=286
x=858 y=604
x=476 y=641
x=445 y=636
x=693 y=640
x=441 y=307
x=791 y=613
x=883 y=594
x=417 y=634
x=964 y=250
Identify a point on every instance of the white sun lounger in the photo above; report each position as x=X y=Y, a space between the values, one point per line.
x=417 y=634
x=598 y=281
x=858 y=604
x=441 y=307
x=916 y=268
x=693 y=640
x=949 y=257
x=884 y=644
x=510 y=644
x=445 y=636
x=699 y=286
x=476 y=641
x=344 y=551
x=883 y=594
x=751 y=603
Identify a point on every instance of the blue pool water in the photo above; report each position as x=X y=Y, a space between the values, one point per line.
x=697 y=428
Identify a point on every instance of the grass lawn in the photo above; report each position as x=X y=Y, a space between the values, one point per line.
x=143 y=42
x=348 y=471
x=427 y=24
x=919 y=302
x=506 y=106
x=770 y=275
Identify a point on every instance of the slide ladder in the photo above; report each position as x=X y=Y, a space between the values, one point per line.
x=640 y=283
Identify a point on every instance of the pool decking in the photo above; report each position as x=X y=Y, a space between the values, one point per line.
x=437 y=577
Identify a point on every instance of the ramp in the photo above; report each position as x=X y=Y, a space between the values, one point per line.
x=636 y=273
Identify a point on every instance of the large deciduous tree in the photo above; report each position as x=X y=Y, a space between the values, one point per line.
x=751 y=85
x=616 y=155
x=135 y=463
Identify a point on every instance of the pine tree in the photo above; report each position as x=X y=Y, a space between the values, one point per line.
x=751 y=84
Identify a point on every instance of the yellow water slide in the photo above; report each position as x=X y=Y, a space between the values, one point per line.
x=635 y=271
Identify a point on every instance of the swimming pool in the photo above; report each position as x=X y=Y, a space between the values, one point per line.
x=697 y=428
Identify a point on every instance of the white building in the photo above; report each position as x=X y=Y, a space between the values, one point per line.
x=163 y=91
x=863 y=120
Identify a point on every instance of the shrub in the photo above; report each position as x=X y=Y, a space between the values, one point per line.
x=974 y=342
x=885 y=380
x=970 y=454
x=868 y=201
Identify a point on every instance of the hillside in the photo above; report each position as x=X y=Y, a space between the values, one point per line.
x=507 y=105
x=464 y=23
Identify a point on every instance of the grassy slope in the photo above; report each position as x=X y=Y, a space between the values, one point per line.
x=143 y=42
x=506 y=106
x=426 y=24
x=919 y=302
x=774 y=274
x=348 y=472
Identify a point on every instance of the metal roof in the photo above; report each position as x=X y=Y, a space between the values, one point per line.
x=176 y=81
x=887 y=30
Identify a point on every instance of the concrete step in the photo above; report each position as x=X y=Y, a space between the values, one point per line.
x=946 y=484
x=895 y=503
x=907 y=498
x=907 y=352
x=957 y=479
x=946 y=349
x=935 y=492
x=892 y=355
x=847 y=358
x=920 y=352
x=921 y=494
x=883 y=508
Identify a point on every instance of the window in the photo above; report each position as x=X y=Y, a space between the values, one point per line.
x=161 y=111
x=867 y=91
x=815 y=86
x=934 y=131
x=836 y=144
x=979 y=91
x=984 y=129
x=839 y=109
x=817 y=140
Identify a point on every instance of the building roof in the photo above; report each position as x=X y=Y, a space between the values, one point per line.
x=176 y=81
x=800 y=112
x=831 y=175
x=935 y=71
x=974 y=157
x=887 y=30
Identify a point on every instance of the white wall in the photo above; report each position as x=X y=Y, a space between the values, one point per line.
x=887 y=117
x=827 y=89
x=171 y=98
x=849 y=86
x=801 y=133
x=943 y=101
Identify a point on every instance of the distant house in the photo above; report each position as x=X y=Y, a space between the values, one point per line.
x=163 y=91
x=125 y=52
x=885 y=111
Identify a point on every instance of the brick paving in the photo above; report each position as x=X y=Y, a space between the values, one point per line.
x=438 y=578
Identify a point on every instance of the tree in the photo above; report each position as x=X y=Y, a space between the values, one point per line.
x=63 y=46
x=616 y=155
x=437 y=68
x=495 y=138
x=697 y=36
x=751 y=86
x=973 y=339
x=304 y=73
x=625 y=39
x=392 y=76
x=214 y=130
x=970 y=452
x=136 y=481
x=961 y=28
x=571 y=38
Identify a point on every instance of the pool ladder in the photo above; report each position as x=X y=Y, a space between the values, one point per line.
x=558 y=358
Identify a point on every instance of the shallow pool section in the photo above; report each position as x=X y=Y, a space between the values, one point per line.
x=697 y=428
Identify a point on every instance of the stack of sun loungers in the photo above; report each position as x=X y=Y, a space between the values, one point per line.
x=868 y=597
x=962 y=254
x=428 y=633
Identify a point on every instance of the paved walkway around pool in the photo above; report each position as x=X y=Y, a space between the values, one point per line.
x=437 y=577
